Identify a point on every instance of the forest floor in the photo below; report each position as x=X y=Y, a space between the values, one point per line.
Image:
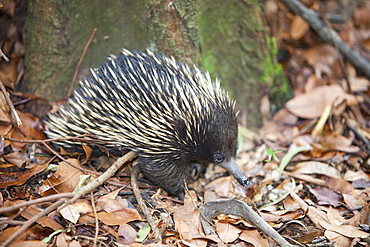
x=308 y=164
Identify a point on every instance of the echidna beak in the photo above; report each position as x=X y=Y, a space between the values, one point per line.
x=234 y=169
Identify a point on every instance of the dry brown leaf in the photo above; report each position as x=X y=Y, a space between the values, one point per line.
x=340 y=240
x=32 y=243
x=223 y=187
x=119 y=217
x=339 y=185
x=316 y=167
x=128 y=233
x=65 y=179
x=63 y=240
x=83 y=206
x=345 y=230
x=361 y=16
x=70 y=213
x=8 y=232
x=227 y=232
x=339 y=142
x=8 y=71
x=19 y=178
x=187 y=224
x=31 y=127
x=253 y=237
x=109 y=202
x=282 y=215
x=312 y=104
x=355 y=199
x=17 y=158
x=4 y=110
x=321 y=58
x=366 y=44
x=298 y=28
x=325 y=196
x=45 y=221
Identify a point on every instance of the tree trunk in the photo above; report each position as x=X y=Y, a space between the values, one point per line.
x=235 y=49
x=227 y=38
x=57 y=32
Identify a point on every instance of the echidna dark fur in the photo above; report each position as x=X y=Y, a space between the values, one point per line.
x=170 y=114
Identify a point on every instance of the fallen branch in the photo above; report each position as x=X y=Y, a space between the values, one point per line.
x=238 y=208
x=134 y=173
x=327 y=34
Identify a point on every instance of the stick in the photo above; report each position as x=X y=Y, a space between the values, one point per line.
x=80 y=62
x=134 y=173
x=327 y=34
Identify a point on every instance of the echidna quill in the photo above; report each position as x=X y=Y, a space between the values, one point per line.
x=171 y=115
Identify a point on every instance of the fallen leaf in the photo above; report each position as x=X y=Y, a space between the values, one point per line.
x=253 y=237
x=127 y=233
x=312 y=104
x=298 y=27
x=316 y=167
x=345 y=230
x=70 y=213
x=227 y=232
x=119 y=217
x=65 y=179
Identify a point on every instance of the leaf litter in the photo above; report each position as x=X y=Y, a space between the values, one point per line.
x=315 y=188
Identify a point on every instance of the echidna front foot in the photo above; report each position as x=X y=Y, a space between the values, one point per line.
x=181 y=196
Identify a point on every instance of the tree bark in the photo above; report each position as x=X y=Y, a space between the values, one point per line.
x=227 y=38
x=57 y=31
x=235 y=48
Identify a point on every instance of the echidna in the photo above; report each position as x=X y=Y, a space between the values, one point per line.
x=170 y=114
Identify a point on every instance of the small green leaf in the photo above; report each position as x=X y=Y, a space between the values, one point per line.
x=143 y=233
x=271 y=154
x=51 y=167
x=47 y=239
x=289 y=155
x=84 y=179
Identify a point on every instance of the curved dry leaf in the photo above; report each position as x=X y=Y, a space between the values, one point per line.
x=227 y=232
x=321 y=54
x=65 y=179
x=321 y=58
x=187 y=221
x=361 y=16
x=298 y=28
x=345 y=230
x=70 y=213
x=359 y=84
x=312 y=104
x=128 y=233
x=119 y=217
x=316 y=167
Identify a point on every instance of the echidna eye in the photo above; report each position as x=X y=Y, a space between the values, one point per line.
x=218 y=157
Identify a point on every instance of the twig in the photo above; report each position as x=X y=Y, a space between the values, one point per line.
x=327 y=34
x=341 y=62
x=14 y=113
x=36 y=201
x=80 y=62
x=96 y=219
x=134 y=173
